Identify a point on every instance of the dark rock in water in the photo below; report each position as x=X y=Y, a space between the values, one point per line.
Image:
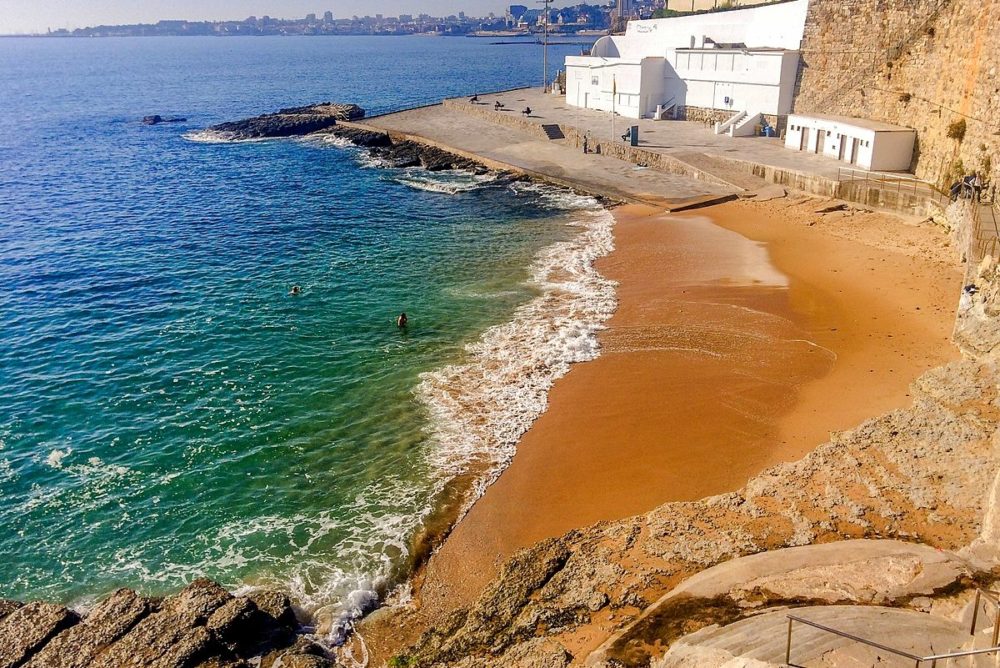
x=293 y=122
x=363 y=138
x=27 y=629
x=157 y=119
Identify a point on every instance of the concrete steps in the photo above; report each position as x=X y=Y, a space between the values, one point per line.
x=553 y=131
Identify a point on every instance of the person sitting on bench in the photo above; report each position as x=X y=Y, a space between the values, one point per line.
x=627 y=135
x=498 y=106
x=527 y=111
x=474 y=99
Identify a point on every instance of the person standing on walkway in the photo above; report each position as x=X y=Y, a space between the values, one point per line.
x=586 y=143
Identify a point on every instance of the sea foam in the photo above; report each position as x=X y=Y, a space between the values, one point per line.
x=481 y=408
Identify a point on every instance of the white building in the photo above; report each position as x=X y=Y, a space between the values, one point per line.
x=714 y=65
x=867 y=144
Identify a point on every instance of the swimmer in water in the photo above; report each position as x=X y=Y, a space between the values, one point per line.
x=296 y=290
x=401 y=321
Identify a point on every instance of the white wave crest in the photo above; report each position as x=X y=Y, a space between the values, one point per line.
x=209 y=137
x=479 y=410
x=557 y=198
x=338 y=142
x=447 y=182
x=217 y=137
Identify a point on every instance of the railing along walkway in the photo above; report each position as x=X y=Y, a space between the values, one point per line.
x=919 y=660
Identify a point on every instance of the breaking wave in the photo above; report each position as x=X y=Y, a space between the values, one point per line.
x=480 y=409
x=447 y=182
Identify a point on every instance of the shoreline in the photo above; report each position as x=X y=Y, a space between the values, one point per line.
x=555 y=481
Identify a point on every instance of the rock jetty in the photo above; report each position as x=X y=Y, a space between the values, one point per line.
x=325 y=119
x=202 y=626
x=292 y=122
x=403 y=153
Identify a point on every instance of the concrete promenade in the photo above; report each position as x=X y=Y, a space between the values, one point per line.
x=556 y=161
x=675 y=163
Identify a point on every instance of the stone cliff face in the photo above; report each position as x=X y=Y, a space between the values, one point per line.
x=927 y=64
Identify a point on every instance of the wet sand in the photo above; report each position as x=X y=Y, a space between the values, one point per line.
x=742 y=338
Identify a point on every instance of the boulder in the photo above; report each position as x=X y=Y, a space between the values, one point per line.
x=27 y=629
x=233 y=623
x=275 y=605
x=7 y=607
x=199 y=599
x=156 y=119
x=292 y=122
x=77 y=646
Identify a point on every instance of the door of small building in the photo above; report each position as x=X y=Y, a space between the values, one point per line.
x=804 y=145
x=820 y=141
x=843 y=147
x=855 y=145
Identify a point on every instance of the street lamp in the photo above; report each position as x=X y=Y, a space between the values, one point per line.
x=545 y=45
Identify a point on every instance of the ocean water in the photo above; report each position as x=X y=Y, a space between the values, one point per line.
x=168 y=410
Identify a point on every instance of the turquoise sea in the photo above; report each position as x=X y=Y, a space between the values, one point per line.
x=168 y=410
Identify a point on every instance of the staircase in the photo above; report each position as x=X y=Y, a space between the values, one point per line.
x=553 y=131
x=728 y=125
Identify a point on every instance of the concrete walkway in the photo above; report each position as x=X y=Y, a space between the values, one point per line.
x=669 y=137
x=553 y=160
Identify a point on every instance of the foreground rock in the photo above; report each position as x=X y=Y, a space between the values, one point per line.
x=293 y=122
x=202 y=626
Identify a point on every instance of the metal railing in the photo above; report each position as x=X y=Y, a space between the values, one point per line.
x=986 y=228
x=888 y=181
x=919 y=660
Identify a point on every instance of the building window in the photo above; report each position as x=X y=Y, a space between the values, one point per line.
x=594 y=81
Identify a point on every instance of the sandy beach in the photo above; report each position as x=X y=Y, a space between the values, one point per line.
x=745 y=334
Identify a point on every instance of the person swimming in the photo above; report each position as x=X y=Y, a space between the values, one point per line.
x=296 y=290
x=401 y=321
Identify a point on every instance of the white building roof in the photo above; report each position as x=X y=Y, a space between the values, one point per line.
x=865 y=123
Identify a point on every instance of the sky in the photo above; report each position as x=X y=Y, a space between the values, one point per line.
x=34 y=16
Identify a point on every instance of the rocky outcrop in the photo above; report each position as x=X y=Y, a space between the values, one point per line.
x=403 y=153
x=293 y=122
x=202 y=626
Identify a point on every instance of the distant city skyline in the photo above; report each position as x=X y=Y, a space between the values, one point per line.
x=38 y=16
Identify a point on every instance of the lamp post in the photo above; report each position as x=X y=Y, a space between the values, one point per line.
x=545 y=45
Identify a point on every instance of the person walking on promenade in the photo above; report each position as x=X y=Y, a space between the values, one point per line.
x=586 y=143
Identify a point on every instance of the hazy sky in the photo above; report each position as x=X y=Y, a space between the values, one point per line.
x=26 y=16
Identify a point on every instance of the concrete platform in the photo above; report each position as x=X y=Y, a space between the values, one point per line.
x=552 y=160
x=675 y=138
